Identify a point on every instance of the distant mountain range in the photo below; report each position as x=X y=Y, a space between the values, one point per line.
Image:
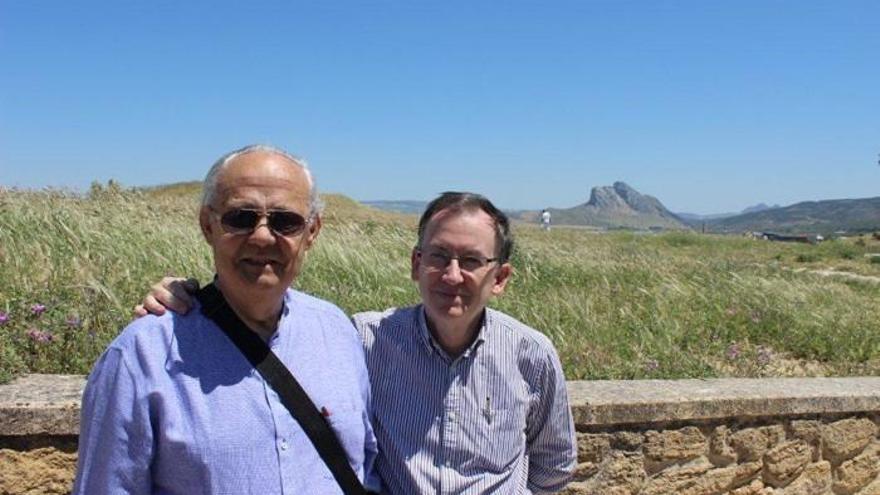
x=622 y=207
x=819 y=217
x=695 y=217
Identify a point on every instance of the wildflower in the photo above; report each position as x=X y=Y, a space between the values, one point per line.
x=732 y=351
x=74 y=322
x=40 y=336
x=652 y=365
x=4 y=317
x=38 y=309
x=765 y=354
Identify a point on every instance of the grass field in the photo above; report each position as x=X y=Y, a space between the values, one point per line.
x=617 y=305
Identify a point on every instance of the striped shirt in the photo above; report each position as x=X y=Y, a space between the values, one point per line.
x=493 y=420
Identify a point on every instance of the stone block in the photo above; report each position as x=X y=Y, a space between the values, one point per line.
x=720 y=451
x=809 y=431
x=872 y=489
x=701 y=478
x=814 y=480
x=593 y=447
x=668 y=447
x=584 y=471
x=783 y=463
x=756 y=487
x=627 y=440
x=751 y=444
x=45 y=471
x=746 y=472
x=574 y=488
x=846 y=438
x=857 y=473
x=622 y=473
x=672 y=480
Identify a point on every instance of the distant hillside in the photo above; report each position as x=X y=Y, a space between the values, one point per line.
x=403 y=206
x=759 y=207
x=337 y=207
x=820 y=217
x=193 y=187
x=619 y=206
x=697 y=219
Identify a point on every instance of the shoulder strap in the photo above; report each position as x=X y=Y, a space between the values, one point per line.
x=294 y=398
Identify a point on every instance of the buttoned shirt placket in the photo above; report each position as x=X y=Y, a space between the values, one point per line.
x=281 y=420
x=454 y=369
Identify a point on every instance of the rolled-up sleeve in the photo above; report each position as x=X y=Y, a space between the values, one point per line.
x=550 y=434
x=116 y=440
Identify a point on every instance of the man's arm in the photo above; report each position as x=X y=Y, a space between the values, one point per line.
x=550 y=436
x=116 y=440
x=172 y=293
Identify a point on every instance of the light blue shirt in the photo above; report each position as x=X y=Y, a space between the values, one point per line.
x=493 y=420
x=173 y=407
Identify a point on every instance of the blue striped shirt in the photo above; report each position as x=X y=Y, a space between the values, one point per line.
x=173 y=407
x=493 y=420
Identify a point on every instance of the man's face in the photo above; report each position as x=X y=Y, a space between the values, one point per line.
x=260 y=263
x=451 y=296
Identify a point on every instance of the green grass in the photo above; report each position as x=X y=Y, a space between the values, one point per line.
x=617 y=305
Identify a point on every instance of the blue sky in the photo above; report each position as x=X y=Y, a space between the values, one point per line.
x=709 y=106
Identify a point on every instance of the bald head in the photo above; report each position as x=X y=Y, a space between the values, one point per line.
x=209 y=186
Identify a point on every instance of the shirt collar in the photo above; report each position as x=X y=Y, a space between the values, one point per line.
x=431 y=344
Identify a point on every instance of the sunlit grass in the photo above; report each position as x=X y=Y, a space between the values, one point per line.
x=618 y=305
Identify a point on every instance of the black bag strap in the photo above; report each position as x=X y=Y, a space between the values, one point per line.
x=294 y=398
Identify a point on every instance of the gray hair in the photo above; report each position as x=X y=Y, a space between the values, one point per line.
x=209 y=186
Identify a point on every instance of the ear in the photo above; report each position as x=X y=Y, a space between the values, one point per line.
x=502 y=276
x=314 y=228
x=205 y=223
x=414 y=261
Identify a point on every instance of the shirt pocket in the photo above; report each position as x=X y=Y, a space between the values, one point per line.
x=503 y=439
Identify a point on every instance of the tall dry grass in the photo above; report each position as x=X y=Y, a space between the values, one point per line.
x=617 y=305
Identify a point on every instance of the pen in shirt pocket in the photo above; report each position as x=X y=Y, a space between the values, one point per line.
x=487 y=411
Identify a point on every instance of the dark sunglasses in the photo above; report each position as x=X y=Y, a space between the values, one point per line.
x=243 y=221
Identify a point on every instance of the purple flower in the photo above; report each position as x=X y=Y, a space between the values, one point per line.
x=732 y=351
x=74 y=322
x=4 y=317
x=38 y=309
x=652 y=365
x=40 y=336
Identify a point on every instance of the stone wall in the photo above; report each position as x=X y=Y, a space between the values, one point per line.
x=700 y=437
x=776 y=456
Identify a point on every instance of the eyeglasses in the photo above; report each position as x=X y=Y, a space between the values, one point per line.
x=439 y=260
x=240 y=221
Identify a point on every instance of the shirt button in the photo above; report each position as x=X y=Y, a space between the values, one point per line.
x=451 y=416
x=284 y=444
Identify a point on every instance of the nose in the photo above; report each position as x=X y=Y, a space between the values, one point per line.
x=452 y=273
x=262 y=236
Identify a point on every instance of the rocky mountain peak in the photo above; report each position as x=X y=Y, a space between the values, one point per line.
x=621 y=197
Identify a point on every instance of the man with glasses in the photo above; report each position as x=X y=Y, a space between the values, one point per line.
x=466 y=399
x=174 y=406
